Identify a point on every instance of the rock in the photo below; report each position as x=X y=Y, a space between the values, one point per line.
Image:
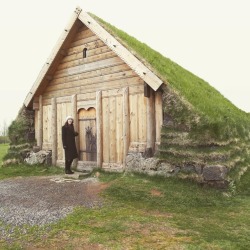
x=41 y=157
x=214 y=173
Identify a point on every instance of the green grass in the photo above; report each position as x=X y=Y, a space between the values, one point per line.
x=3 y=151
x=218 y=115
x=142 y=212
x=28 y=170
x=22 y=169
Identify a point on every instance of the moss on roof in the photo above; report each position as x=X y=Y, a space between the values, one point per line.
x=216 y=113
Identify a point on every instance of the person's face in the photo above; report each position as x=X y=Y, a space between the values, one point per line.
x=70 y=121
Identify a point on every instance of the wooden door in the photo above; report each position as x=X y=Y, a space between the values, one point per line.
x=87 y=134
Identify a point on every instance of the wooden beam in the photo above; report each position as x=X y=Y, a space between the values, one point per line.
x=75 y=117
x=125 y=123
x=49 y=77
x=40 y=123
x=147 y=75
x=150 y=126
x=146 y=90
x=54 y=130
x=158 y=115
x=99 y=128
x=63 y=52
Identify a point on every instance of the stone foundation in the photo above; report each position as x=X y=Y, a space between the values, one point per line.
x=214 y=175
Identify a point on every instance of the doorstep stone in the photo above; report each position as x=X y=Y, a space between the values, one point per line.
x=76 y=175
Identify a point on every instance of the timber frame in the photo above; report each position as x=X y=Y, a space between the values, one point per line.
x=150 y=84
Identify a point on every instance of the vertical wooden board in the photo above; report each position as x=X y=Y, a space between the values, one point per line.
x=133 y=118
x=62 y=121
x=53 y=129
x=80 y=135
x=126 y=121
x=36 y=124
x=99 y=141
x=84 y=125
x=59 y=132
x=105 y=122
x=94 y=129
x=87 y=126
x=82 y=139
x=45 y=124
x=112 y=130
x=158 y=115
x=151 y=121
x=49 y=110
x=69 y=109
x=93 y=126
x=142 y=118
x=64 y=112
x=40 y=123
x=119 y=129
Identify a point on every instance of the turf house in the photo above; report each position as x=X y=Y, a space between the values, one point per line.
x=134 y=109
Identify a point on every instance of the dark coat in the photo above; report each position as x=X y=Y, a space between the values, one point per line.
x=68 y=140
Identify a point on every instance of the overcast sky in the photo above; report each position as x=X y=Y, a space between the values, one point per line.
x=210 y=38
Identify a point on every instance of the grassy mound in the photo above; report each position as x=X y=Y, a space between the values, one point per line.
x=201 y=126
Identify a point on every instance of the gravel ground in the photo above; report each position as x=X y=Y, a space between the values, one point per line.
x=43 y=200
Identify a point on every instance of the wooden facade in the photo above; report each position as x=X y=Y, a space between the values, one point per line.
x=93 y=78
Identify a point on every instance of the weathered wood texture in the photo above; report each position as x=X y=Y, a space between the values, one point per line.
x=36 y=125
x=87 y=129
x=63 y=110
x=54 y=131
x=158 y=117
x=113 y=127
x=126 y=118
x=138 y=121
x=99 y=125
x=150 y=123
x=47 y=142
x=101 y=70
x=40 y=123
x=104 y=95
x=120 y=50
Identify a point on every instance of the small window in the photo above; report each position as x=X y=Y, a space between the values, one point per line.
x=84 y=53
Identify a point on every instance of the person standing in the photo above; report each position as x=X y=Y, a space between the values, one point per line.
x=69 y=144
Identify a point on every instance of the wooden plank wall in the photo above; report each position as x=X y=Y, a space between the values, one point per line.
x=84 y=123
x=63 y=110
x=112 y=115
x=138 y=122
x=46 y=127
x=36 y=123
x=100 y=70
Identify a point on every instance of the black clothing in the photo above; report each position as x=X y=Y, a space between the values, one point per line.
x=68 y=140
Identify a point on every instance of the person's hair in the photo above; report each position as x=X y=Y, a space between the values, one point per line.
x=67 y=124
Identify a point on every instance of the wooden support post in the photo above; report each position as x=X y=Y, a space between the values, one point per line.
x=54 y=130
x=40 y=123
x=125 y=123
x=146 y=90
x=75 y=117
x=99 y=128
x=150 y=126
x=158 y=116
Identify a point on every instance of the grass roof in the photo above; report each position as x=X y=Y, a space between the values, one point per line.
x=216 y=113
